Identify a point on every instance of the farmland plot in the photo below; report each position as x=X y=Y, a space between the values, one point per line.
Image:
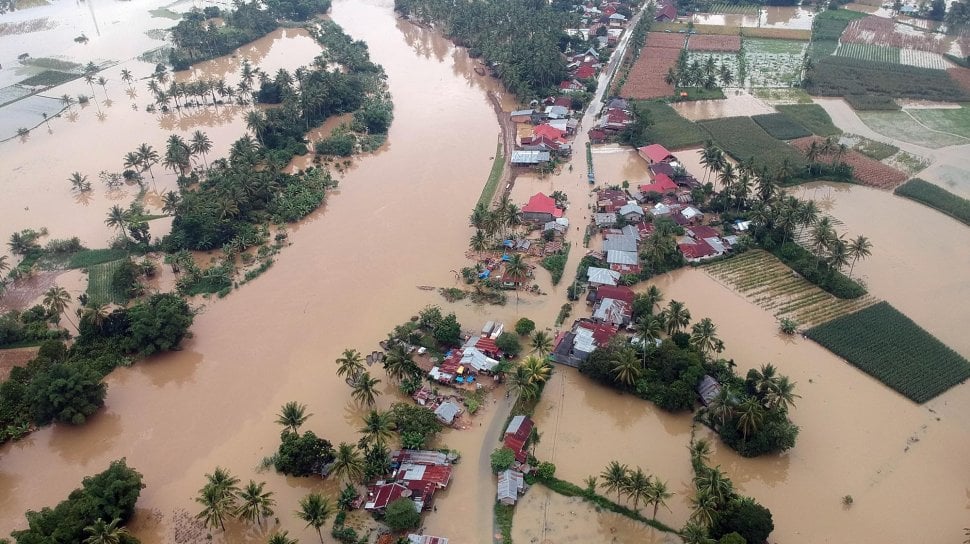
x=864 y=169
x=646 y=78
x=725 y=44
x=865 y=51
x=774 y=63
x=922 y=59
x=884 y=32
x=769 y=283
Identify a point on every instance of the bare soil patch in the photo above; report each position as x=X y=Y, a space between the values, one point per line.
x=725 y=44
x=646 y=79
x=864 y=169
x=665 y=39
x=10 y=358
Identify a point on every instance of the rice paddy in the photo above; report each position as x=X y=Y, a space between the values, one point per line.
x=767 y=282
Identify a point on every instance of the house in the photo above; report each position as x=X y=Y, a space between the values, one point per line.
x=602 y=276
x=611 y=200
x=511 y=484
x=541 y=209
x=524 y=116
x=626 y=258
x=473 y=358
x=632 y=212
x=557 y=112
x=555 y=226
x=546 y=130
x=697 y=251
x=618 y=103
x=418 y=457
x=604 y=219
x=619 y=292
x=382 y=494
x=487 y=345
x=691 y=214
x=585 y=71
x=529 y=158
x=617 y=19
x=655 y=153
x=614 y=120
x=666 y=11
x=517 y=435
x=571 y=86
x=575 y=346
x=620 y=242
x=662 y=184
x=439 y=475
x=708 y=389
x=613 y=311
x=660 y=209
x=513 y=281
x=448 y=411
x=425 y=539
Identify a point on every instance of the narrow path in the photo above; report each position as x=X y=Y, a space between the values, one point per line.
x=490 y=441
x=920 y=123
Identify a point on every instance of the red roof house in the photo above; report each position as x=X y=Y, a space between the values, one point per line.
x=439 y=475
x=541 y=208
x=379 y=496
x=703 y=231
x=585 y=71
x=618 y=292
x=516 y=436
x=698 y=251
x=487 y=346
x=667 y=11
x=654 y=153
x=548 y=131
x=564 y=102
x=602 y=332
x=662 y=184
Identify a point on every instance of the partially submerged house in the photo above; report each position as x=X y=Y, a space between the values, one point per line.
x=662 y=185
x=529 y=158
x=541 y=209
x=602 y=276
x=708 y=389
x=655 y=153
x=517 y=436
x=615 y=312
x=426 y=539
x=447 y=412
x=575 y=346
x=511 y=484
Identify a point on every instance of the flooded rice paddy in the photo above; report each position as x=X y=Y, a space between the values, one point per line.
x=768 y=17
x=351 y=275
x=736 y=103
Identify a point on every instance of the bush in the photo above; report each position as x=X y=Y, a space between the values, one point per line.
x=302 y=455
x=410 y=418
x=525 y=326
x=936 y=197
x=508 y=343
x=158 y=324
x=546 y=470
x=802 y=261
x=67 y=393
x=502 y=459
x=864 y=102
x=776 y=434
x=555 y=264
x=745 y=517
x=339 y=144
x=402 y=515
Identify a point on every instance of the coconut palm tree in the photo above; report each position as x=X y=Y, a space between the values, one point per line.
x=314 y=510
x=519 y=382
x=348 y=464
x=95 y=314
x=67 y=101
x=399 y=365
x=782 y=396
x=215 y=507
x=292 y=415
x=537 y=370
x=4 y=265
x=626 y=367
x=728 y=175
x=700 y=451
x=479 y=216
x=170 y=202
x=365 y=389
x=227 y=484
x=282 y=538
x=703 y=335
x=79 y=183
x=676 y=317
x=750 y=416
x=104 y=85
x=376 y=430
x=541 y=343
x=479 y=243
x=200 y=144
x=22 y=243
x=516 y=268
x=637 y=487
x=695 y=533
x=712 y=482
x=254 y=503
x=704 y=508
x=708 y=157
x=860 y=248
x=147 y=157
x=763 y=379
x=105 y=533
x=613 y=477
x=118 y=218
x=56 y=300
x=653 y=297
x=648 y=329
x=350 y=364
x=126 y=76
x=658 y=495
x=839 y=255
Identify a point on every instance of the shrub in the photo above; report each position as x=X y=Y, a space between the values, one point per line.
x=864 y=102
x=502 y=459
x=339 y=144
x=402 y=515
x=302 y=455
x=508 y=343
x=158 y=324
x=410 y=418
x=546 y=470
x=525 y=326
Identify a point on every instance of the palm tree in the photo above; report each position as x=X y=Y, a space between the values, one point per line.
x=658 y=495
x=637 y=487
x=704 y=336
x=700 y=451
x=255 y=504
x=4 y=265
x=365 y=389
x=750 y=416
x=613 y=476
x=704 y=508
x=676 y=317
x=399 y=365
x=170 y=202
x=126 y=76
x=764 y=379
x=626 y=367
x=215 y=507
x=541 y=343
x=147 y=157
x=860 y=248
x=200 y=144
x=782 y=396
x=695 y=533
x=348 y=463
x=79 y=183
x=105 y=533
x=653 y=297
x=519 y=382
x=95 y=314
x=713 y=483
x=839 y=255
x=648 y=329
x=282 y=538
x=104 y=85
x=721 y=407
x=350 y=364
x=708 y=157
x=516 y=268
x=314 y=510
x=292 y=415
x=67 y=101
x=376 y=430
x=479 y=242
x=479 y=216
x=537 y=371
x=222 y=480
x=118 y=218
x=56 y=300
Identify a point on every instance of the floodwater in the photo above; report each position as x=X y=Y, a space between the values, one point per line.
x=907 y=238
x=768 y=17
x=736 y=103
x=857 y=437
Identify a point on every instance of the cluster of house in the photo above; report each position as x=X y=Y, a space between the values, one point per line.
x=612 y=308
x=416 y=475
x=478 y=356
x=542 y=211
x=603 y=23
x=543 y=132
x=614 y=117
x=511 y=482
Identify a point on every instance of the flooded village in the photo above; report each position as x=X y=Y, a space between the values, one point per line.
x=605 y=312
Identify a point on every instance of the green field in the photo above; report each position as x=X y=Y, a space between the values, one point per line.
x=743 y=139
x=90 y=257
x=873 y=149
x=780 y=126
x=842 y=76
x=100 y=290
x=49 y=78
x=864 y=51
x=950 y=120
x=735 y=9
x=811 y=116
x=498 y=166
x=901 y=125
x=670 y=129
x=890 y=347
x=776 y=47
x=936 y=197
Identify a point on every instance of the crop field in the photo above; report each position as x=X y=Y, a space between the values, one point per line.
x=961 y=76
x=780 y=126
x=49 y=78
x=880 y=31
x=747 y=32
x=663 y=39
x=646 y=77
x=721 y=44
x=950 y=120
x=774 y=63
x=813 y=117
x=769 y=283
x=742 y=138
x=735 y=9
x=937 y=198
x=903 y=126
x=864 y=51
x=864 y=169
x=99 y=289
x=842 y=76
x=890 y=347
x=672 y=130
x=871 y=148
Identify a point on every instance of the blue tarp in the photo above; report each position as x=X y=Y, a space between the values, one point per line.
x=484 y=275
x=508 y=243
x=506 y=257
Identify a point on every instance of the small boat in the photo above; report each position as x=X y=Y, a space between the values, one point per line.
x=426 y=287
x=480 y=70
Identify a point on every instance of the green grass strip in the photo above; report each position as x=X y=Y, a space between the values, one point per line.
x=503 y=519
x=90 y=257
x=937 y=198
x=496 y=174
x=100 y=289
x=569 y=489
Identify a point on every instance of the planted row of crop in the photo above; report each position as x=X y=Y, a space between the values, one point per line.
x=889 y=346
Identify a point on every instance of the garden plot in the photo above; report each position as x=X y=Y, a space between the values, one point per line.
x=893 y=55
x=927 y=130
x=922 y=59
x=769 y=283
x=726 y=44
x=884 y=32
x=774 y=63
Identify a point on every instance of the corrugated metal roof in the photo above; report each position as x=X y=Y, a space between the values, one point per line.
x=622 y=257
x=529 y=157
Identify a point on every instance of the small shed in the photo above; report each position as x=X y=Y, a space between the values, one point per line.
x=447 y=412
x=511 y=484
x=708 y=389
